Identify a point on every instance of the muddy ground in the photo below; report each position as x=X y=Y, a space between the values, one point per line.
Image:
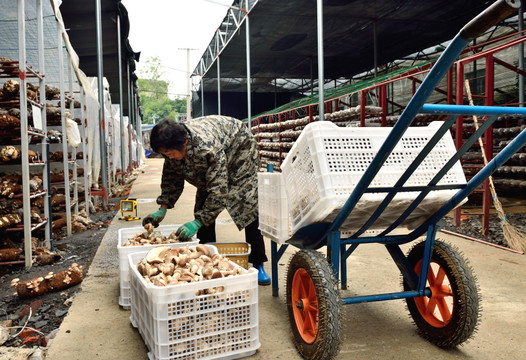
x=48 y=310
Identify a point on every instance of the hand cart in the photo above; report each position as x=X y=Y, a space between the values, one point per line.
x=438 y=284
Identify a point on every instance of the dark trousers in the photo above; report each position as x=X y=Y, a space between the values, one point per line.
x=253 y=236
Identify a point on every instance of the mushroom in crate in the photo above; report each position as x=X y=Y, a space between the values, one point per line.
x=165 y=266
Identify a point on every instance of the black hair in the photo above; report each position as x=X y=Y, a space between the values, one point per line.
x=168 y=134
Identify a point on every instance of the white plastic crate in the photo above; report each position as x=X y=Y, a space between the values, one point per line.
x=326 y=162
x=177 y=324
x=124 y=235
x=274 y=219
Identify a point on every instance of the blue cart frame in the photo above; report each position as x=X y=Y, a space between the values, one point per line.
x=314 y=236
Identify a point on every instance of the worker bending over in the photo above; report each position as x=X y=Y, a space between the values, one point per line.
x=218 y=155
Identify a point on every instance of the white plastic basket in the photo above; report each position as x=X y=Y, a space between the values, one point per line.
x=177 y=324
x=124 y=235
x=327 y=161
x=274 y=219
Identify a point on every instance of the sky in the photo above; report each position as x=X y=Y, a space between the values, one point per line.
x=161 y=28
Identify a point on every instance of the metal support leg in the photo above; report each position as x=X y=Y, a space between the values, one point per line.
x=345 y=255
x=275 y=255
x=343 y=268
x=333 y=252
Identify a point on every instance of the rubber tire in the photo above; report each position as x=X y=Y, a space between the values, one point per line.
x=465 y=311
x=328 y=338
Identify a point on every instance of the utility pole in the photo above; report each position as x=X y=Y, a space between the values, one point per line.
x=188 y=93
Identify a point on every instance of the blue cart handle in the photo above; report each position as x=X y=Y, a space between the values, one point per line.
x=494 y=14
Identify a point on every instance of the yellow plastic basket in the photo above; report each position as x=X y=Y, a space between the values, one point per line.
x=236 y=251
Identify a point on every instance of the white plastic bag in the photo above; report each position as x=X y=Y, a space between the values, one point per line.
x=73 y=133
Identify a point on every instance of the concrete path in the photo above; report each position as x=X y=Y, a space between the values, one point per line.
x=97 y=328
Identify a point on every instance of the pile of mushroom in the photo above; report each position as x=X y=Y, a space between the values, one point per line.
x=151 y=237
x=165 y=266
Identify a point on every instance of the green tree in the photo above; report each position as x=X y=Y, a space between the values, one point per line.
x=155 y=102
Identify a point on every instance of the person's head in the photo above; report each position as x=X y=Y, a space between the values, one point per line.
x=169 y=138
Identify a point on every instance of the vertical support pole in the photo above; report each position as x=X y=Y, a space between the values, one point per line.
x=100 y=76
x=130 y=111
x=333 y=252
x=311 y=76
x=274 y=267
x=363 y=103
x=321 y=79
x=375 y=50
x=521 y=57
x=459 y=123
x=138 y=126
x=275 y=93
x=65 y=157
x=74 y=150
x=375 y=58
x=488 y=142
x=249 y=100
x=23 y=132
x=121 y=111
x=188 y=93
x=218 y=86
x=343 y=267
x=450 y=86
x=45 y=145
x=202 y=96
x=84 y=163
x=383 y=103
x=202 y=89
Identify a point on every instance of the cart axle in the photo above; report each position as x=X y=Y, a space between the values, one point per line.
x=387 y=296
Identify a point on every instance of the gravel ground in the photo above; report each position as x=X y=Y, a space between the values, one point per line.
x=473 y=227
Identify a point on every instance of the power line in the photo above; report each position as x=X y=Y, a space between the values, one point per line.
x=216 y=3
x=160 y=92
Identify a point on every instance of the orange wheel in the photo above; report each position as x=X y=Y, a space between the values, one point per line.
x=314 y=306
x=305 y=306
x=450 y=315
x=436 y=310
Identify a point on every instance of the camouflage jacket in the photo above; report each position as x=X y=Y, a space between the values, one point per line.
x=221 y=161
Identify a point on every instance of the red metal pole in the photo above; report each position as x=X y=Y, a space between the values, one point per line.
x=383 y=104
x=450 y=86
x=459 y=122
x=363 y=102
x=488 y=142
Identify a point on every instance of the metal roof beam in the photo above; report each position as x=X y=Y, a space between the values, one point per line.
x=224 y=33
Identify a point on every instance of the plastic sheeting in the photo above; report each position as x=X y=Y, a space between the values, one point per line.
x=114 y=139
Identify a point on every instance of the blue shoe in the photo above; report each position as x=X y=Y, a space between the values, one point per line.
x=263 y=278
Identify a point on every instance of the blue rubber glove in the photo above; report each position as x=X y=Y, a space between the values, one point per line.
x=155 y=218
x=188 y=230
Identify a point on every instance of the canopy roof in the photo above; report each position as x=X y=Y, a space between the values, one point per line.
x=80 y=21
x=283 y=38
